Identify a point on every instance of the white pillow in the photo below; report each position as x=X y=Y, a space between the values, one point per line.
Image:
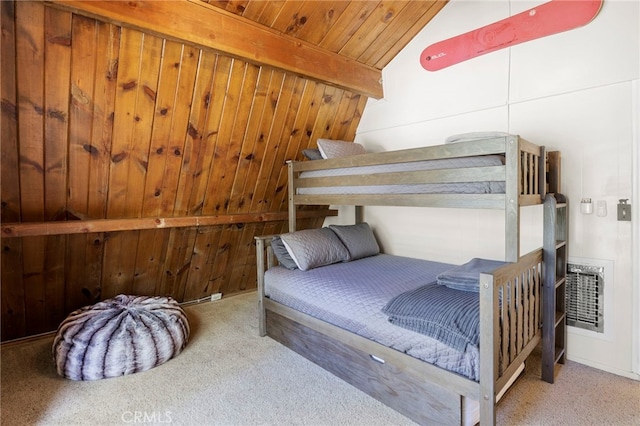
x=311 y=248
x=474 y=136
x=334 y=149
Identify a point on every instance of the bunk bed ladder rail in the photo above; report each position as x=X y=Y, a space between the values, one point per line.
x=555 y=261
x=510 y=325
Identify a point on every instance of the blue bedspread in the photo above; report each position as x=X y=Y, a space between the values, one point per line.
x=351 y=295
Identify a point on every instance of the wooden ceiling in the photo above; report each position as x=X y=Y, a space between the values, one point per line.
x=370 y=32
x=144 y=142
x=338 y=42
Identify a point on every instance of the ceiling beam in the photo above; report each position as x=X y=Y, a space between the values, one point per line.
x=198 y=23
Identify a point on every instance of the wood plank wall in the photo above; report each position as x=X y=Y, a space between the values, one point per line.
x=101 y=121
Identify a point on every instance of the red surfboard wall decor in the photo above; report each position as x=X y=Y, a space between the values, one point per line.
x=549 y=18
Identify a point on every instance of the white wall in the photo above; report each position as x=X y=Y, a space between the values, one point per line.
x=573 y=92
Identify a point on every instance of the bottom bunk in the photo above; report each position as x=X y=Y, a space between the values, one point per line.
x=350 y=336
x=410 y=386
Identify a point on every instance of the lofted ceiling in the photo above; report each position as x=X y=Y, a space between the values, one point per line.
x=370 y=32
x=345 y=43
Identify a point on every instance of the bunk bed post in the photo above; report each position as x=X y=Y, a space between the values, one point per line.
x=512 y=193
x=359 y=213
x=488 y=350
x=542 y=173
x=291 y=191
x=263 y=249
x=262 y=323
x=554 y=172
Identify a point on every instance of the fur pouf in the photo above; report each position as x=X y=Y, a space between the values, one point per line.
x=123 y=335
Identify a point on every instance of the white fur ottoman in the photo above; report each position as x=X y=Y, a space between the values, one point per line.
x=118 y=336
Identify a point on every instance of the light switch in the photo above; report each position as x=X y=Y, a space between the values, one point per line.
x=601 y=208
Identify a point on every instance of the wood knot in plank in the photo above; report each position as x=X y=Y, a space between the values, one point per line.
x=27 y=161
x=63 y=40
x=129 y=85
x=143 y=164
x=150 y=92
x=9 y=108
x=57 y=115
x=91 y=149
x=119 y=157
x=193 y=132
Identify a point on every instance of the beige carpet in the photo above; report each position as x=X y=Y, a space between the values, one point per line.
x=227 y=375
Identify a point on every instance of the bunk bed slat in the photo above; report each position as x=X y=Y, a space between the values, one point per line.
x=478 y=201
x=436 y=152
x=470 y=174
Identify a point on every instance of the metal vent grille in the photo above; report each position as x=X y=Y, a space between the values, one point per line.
x=585 y=297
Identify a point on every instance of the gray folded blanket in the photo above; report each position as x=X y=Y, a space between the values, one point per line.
x=450 y=316
x=467 y=277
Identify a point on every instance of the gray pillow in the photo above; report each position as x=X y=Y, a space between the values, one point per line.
x=312 y=154
x=283 y=256
x=358 y=239
x=312 y=248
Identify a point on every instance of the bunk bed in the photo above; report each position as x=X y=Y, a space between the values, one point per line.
x=510 y=297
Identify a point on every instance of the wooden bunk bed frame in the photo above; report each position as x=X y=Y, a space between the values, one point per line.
x=423 y=392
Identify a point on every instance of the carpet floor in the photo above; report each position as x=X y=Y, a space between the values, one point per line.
x=228 y=375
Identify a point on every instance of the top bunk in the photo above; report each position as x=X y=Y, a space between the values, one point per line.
x=502 y=172
x=480 y=173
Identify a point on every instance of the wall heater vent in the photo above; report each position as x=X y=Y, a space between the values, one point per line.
x=585 y=297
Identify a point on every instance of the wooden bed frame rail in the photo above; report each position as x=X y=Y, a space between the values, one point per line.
x=510 y=299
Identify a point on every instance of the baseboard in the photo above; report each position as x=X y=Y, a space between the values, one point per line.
x=608 y=369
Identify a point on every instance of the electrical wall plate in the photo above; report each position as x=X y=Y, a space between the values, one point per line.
x=624 y=210
x=601 y=208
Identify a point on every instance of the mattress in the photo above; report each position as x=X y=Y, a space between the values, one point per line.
x=352 y=295
x=482 y=187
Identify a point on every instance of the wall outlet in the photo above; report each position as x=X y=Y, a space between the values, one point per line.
x=216 y=296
